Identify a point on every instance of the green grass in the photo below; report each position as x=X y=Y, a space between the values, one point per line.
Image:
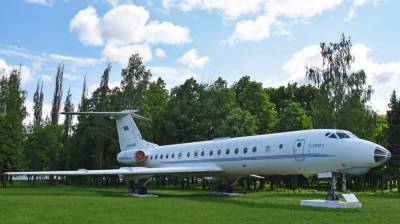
x=62 y=204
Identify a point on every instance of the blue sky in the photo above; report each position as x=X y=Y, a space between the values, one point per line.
x=270 y=40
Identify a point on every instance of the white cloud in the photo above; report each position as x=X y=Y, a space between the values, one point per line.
x=125 y=24
x=160 y=53
x=264 y=17
x=41 y=2
x=230 y=9
x=46 y=78
x=356 y=4
x=77 y=61
x=124 y=28
x=39 y=58
x=71 y=77
x=121 y=53
x=172 y=76
x=295 y=67
x=166 y=33
x=193 y=60
x=384 y=77
x=5 y=69
x=87 y=25
x=252 y=30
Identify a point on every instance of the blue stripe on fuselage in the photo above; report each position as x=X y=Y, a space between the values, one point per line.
x=290 y=156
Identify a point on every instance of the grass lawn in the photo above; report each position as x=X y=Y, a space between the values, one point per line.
x=62 y=204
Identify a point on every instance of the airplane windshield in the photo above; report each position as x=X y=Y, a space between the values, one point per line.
x=332 y=135
x=342 y=135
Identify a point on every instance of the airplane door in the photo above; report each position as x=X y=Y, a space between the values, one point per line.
x=298 y=150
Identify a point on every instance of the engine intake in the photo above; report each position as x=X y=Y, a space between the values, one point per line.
x=131 y=157
x=140 y=156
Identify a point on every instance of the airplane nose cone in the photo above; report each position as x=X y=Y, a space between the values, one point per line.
x=381 y=155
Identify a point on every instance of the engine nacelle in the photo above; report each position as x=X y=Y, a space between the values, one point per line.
x=131 y=156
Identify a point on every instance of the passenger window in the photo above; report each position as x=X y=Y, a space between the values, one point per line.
x=219 y=152
x=195 y=154
x=202 y=153
x=236 y=151
x=161 y=156
x=245 y=150
x=180 y=155
x=227 y=151
x=254 y=149
x=151 y=157
x=268 y=148
x=166 y=156
x=173 y=155
x=211 y=152
x=188 y=154
x=281 y=146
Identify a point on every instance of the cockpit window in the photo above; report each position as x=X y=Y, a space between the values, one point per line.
x=352 y=135
x=333 y=136
x=342 y=135
x=328 y=133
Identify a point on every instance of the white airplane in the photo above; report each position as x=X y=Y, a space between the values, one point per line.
x=326 y=152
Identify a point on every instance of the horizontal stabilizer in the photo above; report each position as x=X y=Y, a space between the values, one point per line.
x=111 y=114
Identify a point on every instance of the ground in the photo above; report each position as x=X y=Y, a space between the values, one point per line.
x=62 y=204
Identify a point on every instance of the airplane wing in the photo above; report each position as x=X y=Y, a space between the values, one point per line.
x=207 y=169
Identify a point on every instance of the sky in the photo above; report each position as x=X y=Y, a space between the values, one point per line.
x=272 y=41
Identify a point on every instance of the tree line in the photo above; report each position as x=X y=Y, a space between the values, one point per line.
x=336 y=97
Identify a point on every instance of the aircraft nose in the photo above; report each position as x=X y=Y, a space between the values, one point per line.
x=381 y=155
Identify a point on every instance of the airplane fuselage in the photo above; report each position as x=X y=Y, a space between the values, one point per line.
x=297 y=152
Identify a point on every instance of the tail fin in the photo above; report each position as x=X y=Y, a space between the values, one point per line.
x=128 y=133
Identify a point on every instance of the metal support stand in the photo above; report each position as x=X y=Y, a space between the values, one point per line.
x=138 y=187
x=344 y=183
x=332 y=196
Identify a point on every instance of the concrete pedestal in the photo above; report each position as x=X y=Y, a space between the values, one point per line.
x=142 y=195
x=351 y=201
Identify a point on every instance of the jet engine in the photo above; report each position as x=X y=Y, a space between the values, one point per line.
x=133 y=156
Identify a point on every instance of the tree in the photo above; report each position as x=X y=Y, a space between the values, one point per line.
x=238 y=123
x=184 y=112
x=255 y=99
x=36 y=148
x=68 y=107
x=38 y=105
x=155 y=104
x=294 y=118
x=53 y=152
x=12 y=131
x=135 y=82
x=283 y=95
x=339 y=87
x=393 y=140
x=217 y=101
x=354 y=110
x=57 y=97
